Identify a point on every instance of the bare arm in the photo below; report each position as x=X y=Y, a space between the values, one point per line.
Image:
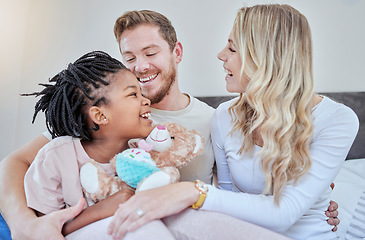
x=98 y=211
x=12 y=171
x=22 y=221
x=155 y=203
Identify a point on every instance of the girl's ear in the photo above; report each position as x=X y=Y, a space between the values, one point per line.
x=97 y=115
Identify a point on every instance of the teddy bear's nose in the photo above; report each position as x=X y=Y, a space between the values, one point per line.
x=161 y=127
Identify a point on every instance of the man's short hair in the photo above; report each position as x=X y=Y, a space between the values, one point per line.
x=132 y=19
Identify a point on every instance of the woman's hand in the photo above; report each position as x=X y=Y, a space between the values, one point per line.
x=152 y=204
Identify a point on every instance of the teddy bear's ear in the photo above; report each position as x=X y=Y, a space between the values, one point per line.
x=144 y=145
x=133 y=143
x=199 y=144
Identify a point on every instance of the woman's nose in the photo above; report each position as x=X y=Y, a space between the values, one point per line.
x=221 y=55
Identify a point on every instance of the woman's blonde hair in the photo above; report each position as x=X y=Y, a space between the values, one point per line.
x=274 y=42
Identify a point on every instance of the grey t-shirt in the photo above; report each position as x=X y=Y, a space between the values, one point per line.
x=195 y=116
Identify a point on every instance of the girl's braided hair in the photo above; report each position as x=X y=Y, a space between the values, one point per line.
x=74 y=89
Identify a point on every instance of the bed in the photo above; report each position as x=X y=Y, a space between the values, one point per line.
x=349 y=191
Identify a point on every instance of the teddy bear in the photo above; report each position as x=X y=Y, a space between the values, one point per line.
x=149 y=163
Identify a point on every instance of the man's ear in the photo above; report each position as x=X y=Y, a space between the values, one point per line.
x=97 y=115
x=178 y=51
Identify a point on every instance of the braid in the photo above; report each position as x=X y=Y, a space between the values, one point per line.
x=64 y=102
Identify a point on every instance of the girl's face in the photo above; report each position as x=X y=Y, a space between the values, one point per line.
x=127 y=111
x=232 y=64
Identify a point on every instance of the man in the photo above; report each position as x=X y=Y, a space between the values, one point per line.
x=153 y=53
x=150 y=49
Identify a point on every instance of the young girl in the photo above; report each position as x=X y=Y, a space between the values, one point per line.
x=93 y=108
x=278 y=146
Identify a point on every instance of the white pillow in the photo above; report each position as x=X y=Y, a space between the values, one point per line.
x=349 y=193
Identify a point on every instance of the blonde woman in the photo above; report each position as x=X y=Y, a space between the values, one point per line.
x=278 y=146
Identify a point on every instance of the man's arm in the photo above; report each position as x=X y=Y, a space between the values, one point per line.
x=12 y=171
x=103 y=209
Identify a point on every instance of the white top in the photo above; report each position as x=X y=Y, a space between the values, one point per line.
x=196 y=116
x=301 y=214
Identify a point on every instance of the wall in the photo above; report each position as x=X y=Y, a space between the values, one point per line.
x=39 y=38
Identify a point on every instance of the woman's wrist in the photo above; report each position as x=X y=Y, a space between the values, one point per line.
x=192 y=194
x=188 y=193
x=203 y=190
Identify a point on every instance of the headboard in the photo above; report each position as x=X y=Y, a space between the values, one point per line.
x=354 y=100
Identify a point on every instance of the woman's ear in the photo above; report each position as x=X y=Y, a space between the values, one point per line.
x=97 y=116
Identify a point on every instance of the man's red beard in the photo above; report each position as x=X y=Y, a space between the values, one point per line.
x=165 y=88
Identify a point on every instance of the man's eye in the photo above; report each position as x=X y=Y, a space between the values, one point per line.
x=129 y=59
x=150 y=54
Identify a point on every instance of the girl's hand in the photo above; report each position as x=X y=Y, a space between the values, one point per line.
x=152 y=204
x=109 y=205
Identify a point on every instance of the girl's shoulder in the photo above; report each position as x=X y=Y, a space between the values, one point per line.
x=61 y=143
x=57 y=149
x=58 y=141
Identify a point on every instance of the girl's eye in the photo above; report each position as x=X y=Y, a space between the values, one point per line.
x=133 y=94
x=130 y=59
x=150 y=54
x=231 y=49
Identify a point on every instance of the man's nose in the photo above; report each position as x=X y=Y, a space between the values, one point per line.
x=141 y=65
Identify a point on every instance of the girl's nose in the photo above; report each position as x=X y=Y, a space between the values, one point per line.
x=146 y=101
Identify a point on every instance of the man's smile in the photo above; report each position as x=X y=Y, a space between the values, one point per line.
x=148 y=78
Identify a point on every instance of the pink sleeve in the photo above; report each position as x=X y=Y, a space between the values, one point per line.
x=52 y=181
x=42 y=183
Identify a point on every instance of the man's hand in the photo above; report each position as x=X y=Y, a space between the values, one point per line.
x=48 y=226
x=332 y=213
x=103 y=209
